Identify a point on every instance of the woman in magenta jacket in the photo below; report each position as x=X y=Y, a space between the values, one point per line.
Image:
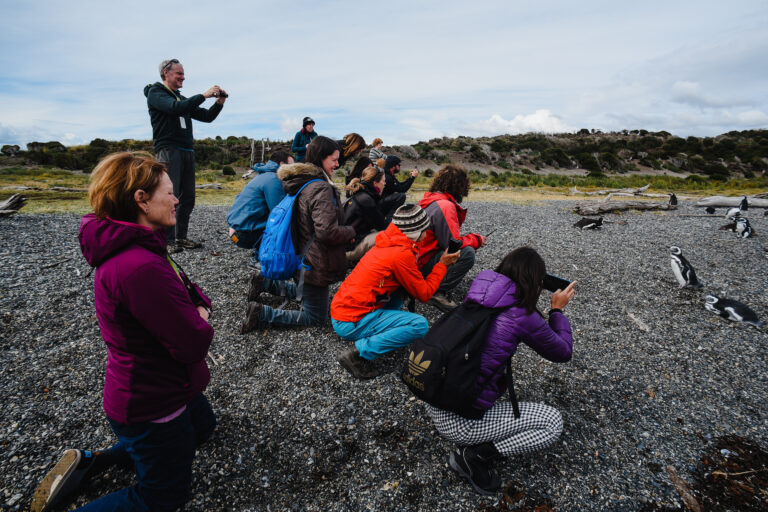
x=515 y=285
x=154 y=321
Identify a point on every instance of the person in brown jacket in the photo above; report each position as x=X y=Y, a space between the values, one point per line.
x=316 y=223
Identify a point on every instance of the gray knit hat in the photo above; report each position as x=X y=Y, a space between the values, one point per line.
x=411 y=220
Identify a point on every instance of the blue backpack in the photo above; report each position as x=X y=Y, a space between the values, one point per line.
x=279 y=259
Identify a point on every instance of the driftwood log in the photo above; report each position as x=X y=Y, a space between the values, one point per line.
x=630 y=191
x=214 y=186
x=13 y=204
x=594 y=208
x=732 y=201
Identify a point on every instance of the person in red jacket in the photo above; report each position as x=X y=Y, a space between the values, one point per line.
x=366 y=309
x=441 y=203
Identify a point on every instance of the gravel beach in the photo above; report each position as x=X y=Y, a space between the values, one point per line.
x=654 y=379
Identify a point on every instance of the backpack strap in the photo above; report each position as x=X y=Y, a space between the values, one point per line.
x=303 y=267
x=511 y=389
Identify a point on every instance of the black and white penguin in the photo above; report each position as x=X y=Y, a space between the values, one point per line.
x=733 y=310
x=587 y=223
x=732 y=213
x=672 y=199
x=683 y=270
x=743 y=227
x=744 y=204
x=710 y=210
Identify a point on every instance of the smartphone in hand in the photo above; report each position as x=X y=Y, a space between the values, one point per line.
x=553 y=283
x=454 y=245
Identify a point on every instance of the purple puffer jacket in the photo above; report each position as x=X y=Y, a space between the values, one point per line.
x=156 y=340
x=551 y=341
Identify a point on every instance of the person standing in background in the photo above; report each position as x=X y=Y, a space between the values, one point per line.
x=171 y=115
x=302 y=138
x=376 y=151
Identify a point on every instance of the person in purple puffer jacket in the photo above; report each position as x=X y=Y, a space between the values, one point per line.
x=515 y=285
x=154 y=322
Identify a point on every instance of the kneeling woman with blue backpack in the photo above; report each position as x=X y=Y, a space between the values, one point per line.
x=317 y=232
x=513 y=289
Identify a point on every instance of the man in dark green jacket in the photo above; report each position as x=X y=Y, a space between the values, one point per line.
x=171 y=115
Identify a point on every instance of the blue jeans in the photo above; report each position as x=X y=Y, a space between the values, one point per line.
x=162 y=456
x=383 y=330
x=314 y=306
x=456 y=272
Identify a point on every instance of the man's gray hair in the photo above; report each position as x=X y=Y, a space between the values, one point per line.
x=166 y=65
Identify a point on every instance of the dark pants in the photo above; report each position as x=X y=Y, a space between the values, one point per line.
x=180 y=166
x=162 y=456
x=456 y=272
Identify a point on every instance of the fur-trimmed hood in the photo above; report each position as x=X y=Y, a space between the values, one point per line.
x=294 y=176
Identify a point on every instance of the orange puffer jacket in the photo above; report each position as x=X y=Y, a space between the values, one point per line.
x=390 y=264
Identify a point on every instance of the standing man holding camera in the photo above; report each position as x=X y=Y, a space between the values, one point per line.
x=171 y=115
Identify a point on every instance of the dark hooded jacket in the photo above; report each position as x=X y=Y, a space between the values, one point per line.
x=317 y=211
x=362 y=212
x=550 y=339
x=167 y=109
x=156 y=340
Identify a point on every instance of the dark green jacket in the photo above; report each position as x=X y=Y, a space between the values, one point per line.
x=166 y=111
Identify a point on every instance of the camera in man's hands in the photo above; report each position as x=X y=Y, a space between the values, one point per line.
x=221 y=94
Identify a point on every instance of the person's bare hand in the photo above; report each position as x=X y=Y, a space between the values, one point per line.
x=222 y=95
x=561 y=298
x=449 y=259
x=202 y=312
x=414 y=173
x=213 y=91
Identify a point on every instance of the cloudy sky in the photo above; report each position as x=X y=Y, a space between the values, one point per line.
x=400 y=70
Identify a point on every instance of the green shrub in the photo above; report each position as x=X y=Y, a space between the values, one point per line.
x=227 y=170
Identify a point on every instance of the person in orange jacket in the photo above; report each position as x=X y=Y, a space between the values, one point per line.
x=446 y=215
x=366 y=309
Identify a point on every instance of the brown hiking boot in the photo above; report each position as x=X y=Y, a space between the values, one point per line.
x=256 y=286
x=442 y=302
x=252 y=318
x=359 y=368
x=186 y=243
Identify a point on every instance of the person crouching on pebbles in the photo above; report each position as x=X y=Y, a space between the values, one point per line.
x=154 y=321
x=316 y=224
x=366 y=309
x=515 y=285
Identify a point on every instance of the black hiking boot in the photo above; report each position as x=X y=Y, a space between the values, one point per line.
x=256 y=286
x=472 y=463
x=356 y=365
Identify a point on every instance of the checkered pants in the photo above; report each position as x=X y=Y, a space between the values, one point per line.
x=538 y=426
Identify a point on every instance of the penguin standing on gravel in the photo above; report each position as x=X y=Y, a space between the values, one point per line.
x=672 y=199
x=733 y=310
x=743 y=227
x=710 y=210
x=683 y=270
x=744 y=206
x=587 y=223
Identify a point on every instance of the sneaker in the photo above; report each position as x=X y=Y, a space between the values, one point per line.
x=469 y=464
x=186 y=243
x=62 y=480
x=175 y=247
x=442 y=302
x=359 y=368
x=256 y=286
x=252 y=317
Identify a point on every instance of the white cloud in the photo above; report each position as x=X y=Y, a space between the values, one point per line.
x=541 y=121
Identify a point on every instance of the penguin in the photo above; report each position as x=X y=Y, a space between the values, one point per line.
x=743 y=227
x=672 y=199
x=732 y=213
x=733 y=310
x=710 y=210
x=744 y=204
x=587 y=223
x=683 y=270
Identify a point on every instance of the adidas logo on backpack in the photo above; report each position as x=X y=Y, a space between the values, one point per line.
x=444 y=366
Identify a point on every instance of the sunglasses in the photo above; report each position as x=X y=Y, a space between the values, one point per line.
x=170 y=64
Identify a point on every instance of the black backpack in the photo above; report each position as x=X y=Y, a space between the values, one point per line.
x=444 y=365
